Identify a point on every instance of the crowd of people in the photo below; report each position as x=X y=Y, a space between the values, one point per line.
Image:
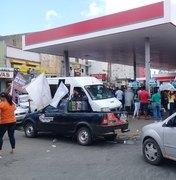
x=153 y=104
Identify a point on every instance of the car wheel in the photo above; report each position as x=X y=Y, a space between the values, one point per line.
x=30 y=130
x=111 y=137
x=152 y=152
x=84 y=136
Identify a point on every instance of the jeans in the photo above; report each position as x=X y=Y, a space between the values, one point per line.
x=10 y=127
x=136 y=109
x=156 y=110
x=172 y=108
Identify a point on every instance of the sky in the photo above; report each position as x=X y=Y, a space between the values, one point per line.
x=24 y=16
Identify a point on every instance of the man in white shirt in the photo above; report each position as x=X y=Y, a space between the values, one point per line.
x=119 y=95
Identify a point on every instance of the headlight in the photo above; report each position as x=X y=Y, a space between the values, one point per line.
x=106 y=109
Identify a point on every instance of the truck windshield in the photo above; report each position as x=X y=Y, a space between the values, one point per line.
x=98 y=92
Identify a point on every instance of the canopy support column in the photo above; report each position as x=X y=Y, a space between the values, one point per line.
x=134 y=64
x=147 y=62
x=67 y=64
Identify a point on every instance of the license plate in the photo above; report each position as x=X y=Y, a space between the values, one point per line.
x=116 y=131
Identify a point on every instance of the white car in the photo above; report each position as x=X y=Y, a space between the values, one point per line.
x=20 y=113
x=23 y=108
x=159 y=140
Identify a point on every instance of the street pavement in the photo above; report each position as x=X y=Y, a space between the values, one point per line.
x=48 y=157
x=135 y=126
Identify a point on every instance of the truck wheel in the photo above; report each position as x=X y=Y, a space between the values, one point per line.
x=84 y=136
x=30 y=130
x=111 y=137
x=152 y=152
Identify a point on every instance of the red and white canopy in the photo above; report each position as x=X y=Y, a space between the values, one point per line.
x=114 y=38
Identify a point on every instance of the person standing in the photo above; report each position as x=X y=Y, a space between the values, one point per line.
x=29 y=71
x=144 y=101
x=136 y=105
x=156 y=104
x=119 y=95
x=164 y=100
x=171 y=102
x=8 y=120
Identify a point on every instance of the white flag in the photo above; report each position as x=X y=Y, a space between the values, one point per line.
x=62 y=90
x=39 y=92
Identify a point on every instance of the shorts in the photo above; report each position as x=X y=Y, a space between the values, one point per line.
x=144 y=107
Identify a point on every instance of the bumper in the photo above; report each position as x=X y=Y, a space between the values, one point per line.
x=19 y=118
x=107 y=130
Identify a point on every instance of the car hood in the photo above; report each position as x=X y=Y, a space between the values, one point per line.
x=152 y=129
x=110 y=103
x=153 y=125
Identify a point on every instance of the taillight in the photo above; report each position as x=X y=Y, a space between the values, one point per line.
x=110 y=120
x=104 y=122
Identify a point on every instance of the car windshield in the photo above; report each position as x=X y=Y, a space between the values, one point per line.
x=98 y=92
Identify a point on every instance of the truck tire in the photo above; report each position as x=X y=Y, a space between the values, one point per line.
x=84 y=136
x=152 y=152
x=30 y=130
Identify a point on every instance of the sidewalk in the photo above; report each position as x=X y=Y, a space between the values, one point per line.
x=135 y=127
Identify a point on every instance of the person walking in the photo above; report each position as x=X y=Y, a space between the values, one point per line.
x=8 y=120
x=144 y=101
x=156 y=104
x=136 y=105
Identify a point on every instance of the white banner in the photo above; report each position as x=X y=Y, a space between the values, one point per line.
x=62 y=90
x=39 y=92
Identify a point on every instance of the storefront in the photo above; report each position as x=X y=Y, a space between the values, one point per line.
x=23 y=65
x=6 y=77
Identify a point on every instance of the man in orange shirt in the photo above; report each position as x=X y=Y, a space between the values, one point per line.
x=8 y=120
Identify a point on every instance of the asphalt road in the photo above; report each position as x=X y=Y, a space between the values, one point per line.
x=48 y=158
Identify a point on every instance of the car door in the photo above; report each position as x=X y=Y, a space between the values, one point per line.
x=53 y=118
x=48 y=119
x=60 y=121
x=170 y=138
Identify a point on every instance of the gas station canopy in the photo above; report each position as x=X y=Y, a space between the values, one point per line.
x=115 y=38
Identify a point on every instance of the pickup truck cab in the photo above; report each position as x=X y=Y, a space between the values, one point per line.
x=84 y=124
x=159 y=140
